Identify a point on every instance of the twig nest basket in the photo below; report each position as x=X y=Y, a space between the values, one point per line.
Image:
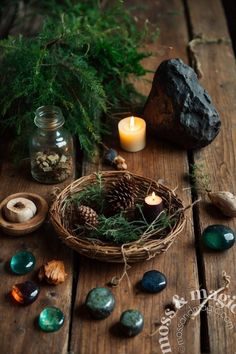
x=150 y=243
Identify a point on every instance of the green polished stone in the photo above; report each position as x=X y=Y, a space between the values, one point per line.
x=218 y=237
x=51 y=319
x=100 y=302
x=131 y=322
x=22 y=262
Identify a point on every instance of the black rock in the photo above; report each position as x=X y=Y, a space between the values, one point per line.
x=179 y=109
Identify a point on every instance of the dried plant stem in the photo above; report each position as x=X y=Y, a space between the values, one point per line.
x=227 y=280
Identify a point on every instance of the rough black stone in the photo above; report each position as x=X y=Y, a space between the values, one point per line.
x=179 y=109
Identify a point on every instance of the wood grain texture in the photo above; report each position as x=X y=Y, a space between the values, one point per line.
x=218 y=64
x=211 y=21
x=19 y=332
x=20 y=322
x=157 y=161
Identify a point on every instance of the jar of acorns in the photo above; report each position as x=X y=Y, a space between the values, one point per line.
x=51 y=147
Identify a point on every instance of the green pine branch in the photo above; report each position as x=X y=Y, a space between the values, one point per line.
x=81 y=61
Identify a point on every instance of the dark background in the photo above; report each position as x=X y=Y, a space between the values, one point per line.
x=230 y=11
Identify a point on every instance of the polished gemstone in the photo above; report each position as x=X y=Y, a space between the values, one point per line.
x=25 y=293
x=131 y=322
x=22 y=262
x=51 y=319
x=110 y=155
x=100 y=302
x=218 y=237
x=153 y=281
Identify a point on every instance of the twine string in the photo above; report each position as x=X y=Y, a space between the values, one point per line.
x=227 y=280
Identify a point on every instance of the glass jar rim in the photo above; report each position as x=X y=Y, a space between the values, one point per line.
x=49 y=117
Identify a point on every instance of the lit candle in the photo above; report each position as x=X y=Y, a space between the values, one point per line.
x=132 y=132
x=153 y=206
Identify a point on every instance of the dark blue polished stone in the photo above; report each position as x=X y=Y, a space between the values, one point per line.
x=110 y=156
x=153 y=281
x=131 y=322
x=218 y=237
x=100 y=302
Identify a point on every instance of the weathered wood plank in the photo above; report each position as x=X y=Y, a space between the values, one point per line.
x=211 y=21
x=218 y=65
x=18 y=322
x=158 y=160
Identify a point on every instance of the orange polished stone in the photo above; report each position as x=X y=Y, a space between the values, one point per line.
x=25 y=293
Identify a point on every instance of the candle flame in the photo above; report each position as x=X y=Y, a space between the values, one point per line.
x=132 y=122
x=153 y=195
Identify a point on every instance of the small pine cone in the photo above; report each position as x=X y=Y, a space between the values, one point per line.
x=122 y=194
x=87 y=216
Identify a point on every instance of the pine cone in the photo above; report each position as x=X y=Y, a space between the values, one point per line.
x=87 y=216
x=122 y=194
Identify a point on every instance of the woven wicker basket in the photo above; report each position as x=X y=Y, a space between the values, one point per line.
x=148 y=246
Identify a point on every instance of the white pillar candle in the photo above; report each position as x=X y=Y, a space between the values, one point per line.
x=132 y=133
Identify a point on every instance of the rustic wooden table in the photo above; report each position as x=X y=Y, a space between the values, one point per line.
x=186 y=264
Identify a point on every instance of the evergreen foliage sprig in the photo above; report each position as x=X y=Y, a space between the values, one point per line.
x=92 y=196
x=118 y=229
x=199 y=178
x=81 y=61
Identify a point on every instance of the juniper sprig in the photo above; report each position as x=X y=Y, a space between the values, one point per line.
x=81 y=60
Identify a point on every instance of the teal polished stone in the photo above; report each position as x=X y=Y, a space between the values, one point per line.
x=22 y=262
x=51 y=319
x=100 y=302
x=131 y=322
x=218 y=237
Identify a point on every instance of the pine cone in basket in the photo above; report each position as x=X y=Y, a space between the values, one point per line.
x=122 y=193
x=87 y=216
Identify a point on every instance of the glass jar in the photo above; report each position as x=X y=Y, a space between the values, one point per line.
x=51 y=147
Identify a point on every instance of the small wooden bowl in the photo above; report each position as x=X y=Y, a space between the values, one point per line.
x=17 y=229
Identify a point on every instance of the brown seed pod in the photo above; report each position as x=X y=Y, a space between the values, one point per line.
x=225 y=201
x=53 y=272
